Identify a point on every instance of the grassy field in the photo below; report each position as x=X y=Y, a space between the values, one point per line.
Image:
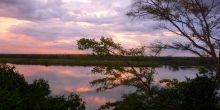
x=90 y=60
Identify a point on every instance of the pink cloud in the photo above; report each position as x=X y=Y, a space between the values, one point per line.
x=32 y=50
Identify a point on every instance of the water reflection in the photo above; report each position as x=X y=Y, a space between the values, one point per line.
x=66 y=79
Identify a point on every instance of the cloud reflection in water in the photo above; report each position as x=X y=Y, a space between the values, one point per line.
x=66 y=79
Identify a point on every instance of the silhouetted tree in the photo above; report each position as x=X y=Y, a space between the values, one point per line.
x=17 y=94
x=140 y=78
x=107 y=47
x=192 y=94
x=198 y=21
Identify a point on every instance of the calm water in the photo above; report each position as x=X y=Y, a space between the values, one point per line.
x=66 y=79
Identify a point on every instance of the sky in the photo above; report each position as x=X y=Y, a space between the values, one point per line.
x=54 y=26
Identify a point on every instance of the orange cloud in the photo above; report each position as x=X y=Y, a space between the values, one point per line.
x=79 y=90
x=32 y=50
x=9 y=22
x=84 y=89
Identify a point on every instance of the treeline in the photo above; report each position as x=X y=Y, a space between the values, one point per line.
x=91 y=60
x=97 y=57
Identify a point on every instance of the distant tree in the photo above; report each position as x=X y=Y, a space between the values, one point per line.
x=17 y=94
x=198 y=21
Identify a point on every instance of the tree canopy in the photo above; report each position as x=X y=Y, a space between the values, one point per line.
x=138 y=77
x=198 y=21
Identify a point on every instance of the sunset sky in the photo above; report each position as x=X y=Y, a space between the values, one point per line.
x=54 y=26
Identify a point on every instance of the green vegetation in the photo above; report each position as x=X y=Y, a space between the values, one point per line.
x=17 y=94
x=95 y=60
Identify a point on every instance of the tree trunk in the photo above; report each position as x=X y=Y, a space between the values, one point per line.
x=218 y=67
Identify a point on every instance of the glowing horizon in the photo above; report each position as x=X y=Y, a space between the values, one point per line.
x=54 y=26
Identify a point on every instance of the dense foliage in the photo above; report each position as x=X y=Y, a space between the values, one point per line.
x=192 y=94
x=17 y=94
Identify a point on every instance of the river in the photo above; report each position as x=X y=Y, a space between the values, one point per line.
x=66 y=79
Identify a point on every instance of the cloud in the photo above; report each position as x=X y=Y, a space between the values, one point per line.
x=84 y=89
x=32 y=9
x=9 y=23
x=58 y=24
x=48 y=30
